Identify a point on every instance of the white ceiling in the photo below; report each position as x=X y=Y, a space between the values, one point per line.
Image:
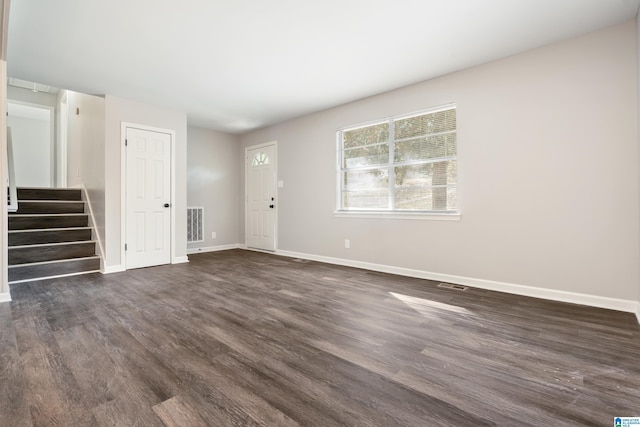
x=236 y=65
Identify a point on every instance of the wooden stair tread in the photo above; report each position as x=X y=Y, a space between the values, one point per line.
x=49 y=193
x=47 y=207
x=51 y=269
x=55 y=261
x=49 y=214
x=35 y=230
x=45 y=221
x=39 y=236
x=42 y=245
x=49 y=201
x=26 y=254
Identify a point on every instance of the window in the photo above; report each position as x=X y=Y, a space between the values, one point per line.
x=260 y=159
x=402 y=164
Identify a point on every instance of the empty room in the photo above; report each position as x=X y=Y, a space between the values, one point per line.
x=305 y=213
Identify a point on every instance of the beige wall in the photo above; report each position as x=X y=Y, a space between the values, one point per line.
x=4 y=287
x=548 y=173
x=213 y=182
x=85 y=141
x=638 y=79
x=4 y=29
x=120 y=110
x=85 y=154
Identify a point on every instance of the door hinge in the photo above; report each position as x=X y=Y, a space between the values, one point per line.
x=125 y=246
x=125 y=142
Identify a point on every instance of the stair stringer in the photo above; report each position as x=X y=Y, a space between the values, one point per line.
x=92 y=224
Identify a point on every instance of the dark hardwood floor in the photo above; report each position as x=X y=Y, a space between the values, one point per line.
x=243 y=338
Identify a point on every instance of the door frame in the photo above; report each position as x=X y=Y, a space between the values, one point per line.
x=123 y=187
x=246 y=192
x=61 y=152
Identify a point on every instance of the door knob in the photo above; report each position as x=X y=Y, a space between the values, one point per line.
x=271 y=206
x=166 y=205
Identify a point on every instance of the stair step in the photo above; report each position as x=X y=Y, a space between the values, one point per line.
x=49 y=206
x=50 y=252
x=52 y=235
x=40 y=221
x=49 y=194
x=43 y=270
x=49 y=236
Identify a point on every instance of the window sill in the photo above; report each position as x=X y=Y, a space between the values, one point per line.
x=428 y=216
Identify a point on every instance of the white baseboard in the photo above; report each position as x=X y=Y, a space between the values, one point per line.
x=120 y=268
x=530 y=291
x=114 y=269
x=638 y=313
x=6 y=297
x=213 y=249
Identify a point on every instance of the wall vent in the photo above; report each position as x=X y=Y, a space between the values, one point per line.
x=195 y=224
x=452 y=286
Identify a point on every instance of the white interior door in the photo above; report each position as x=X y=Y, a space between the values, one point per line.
x=148 y=198
x=260 y=175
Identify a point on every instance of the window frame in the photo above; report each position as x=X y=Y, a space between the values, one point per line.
x=341 y=212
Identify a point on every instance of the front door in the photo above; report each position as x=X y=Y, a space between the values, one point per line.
x=148 y=197
x=261 y=197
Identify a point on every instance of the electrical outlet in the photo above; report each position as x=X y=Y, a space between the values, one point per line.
x=213 y=235
x=347 y=243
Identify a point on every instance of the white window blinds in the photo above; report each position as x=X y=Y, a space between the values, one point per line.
x=405 y=163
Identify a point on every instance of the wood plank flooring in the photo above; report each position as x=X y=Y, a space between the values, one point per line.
x=241 y=338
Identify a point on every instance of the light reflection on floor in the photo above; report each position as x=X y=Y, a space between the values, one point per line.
x=426 y=307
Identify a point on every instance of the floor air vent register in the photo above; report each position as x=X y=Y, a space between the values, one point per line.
x=452 y=286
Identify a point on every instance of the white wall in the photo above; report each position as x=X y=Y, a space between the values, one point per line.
x=213 y=182
x=120 y=110
x=32 y=151
x=548 y=174
x=44 y=99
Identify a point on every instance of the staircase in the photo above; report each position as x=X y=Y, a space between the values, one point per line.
x=49 y=235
